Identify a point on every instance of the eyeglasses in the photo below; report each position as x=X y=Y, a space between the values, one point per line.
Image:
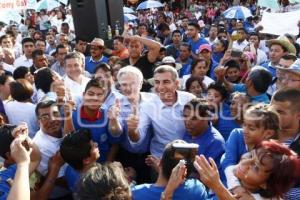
x=47 y=117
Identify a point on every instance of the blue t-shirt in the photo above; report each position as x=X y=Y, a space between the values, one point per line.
x=90 y=65
x=8 y=173
x=235 y=147
x=217 y=56
x=225 y=122
x=190 y=189
x=213 y=66
x=99 y=130
x=211 y=143
x=195 y=45
x=262 y=98
x=72 y=177
x=268 y=66
x=186 y=68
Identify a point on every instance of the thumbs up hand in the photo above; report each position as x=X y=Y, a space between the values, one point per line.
x=114 y=111
x=133 y=119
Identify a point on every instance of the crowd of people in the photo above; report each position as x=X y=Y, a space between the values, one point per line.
x=186 y=104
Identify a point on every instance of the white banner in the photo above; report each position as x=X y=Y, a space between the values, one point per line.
x=280 y=23
x=13 y=4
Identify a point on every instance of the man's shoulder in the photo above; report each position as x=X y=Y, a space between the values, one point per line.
x=185 y=96
x=191 y=189
x=216 y=135
x=149 y=190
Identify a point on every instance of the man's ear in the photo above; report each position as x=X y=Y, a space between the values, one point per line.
x=298 y=116
x=177 y=82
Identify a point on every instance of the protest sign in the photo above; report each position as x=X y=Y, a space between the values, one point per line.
x=13 y=4
x=280 y=23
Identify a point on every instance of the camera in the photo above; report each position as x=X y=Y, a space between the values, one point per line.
x=187 y=152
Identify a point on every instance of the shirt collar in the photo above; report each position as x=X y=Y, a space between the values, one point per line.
x=180 y=101
x=270 y=65
x=260 y=98
x=95 y=61
x=25 y=58
x=83 y=115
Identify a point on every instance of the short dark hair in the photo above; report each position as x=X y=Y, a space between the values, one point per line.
x=232 y=64
x=4 y=77
x=25 y=40
x=261 y=78
x=61 y=46
x=43 y=79
x=41 y=40
x=94 y=83
x=224 y=43
x=6 y=139
x=65 y=24
x=6 y=36
x=220 y=88
x=103 y=66
x=44 y=104
x=185 y=44
x=254 y=34
x=142 y=24
x=20 y=72
x=242 y=29
x=36 y=53
x=119 y=38
x=195 y=25
x=78 y=38
x=291 y=95
x=21 y=90
x=200 y=105
x=192 y=79
x=75 y=147
x=176 y=31
x=163 y=27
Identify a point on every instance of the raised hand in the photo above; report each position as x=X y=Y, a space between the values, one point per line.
x=21 y=130
x=208 y=171
x=114 y=111
x=133 y=119
x=18 y=152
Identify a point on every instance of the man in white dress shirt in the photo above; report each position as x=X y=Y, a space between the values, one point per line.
x=242 y=42
x=164 y=113
x=26 y=58
x=75 y=80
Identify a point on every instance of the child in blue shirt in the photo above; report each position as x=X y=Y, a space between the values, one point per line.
x=259 y=124
x=216 y=96
x=200 y=131
x=91 y=115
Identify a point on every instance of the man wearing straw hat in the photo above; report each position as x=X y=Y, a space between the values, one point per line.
x=278 y=48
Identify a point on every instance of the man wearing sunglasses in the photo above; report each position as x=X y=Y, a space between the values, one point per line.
x=97 y=57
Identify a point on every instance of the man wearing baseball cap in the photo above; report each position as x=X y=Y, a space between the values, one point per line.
x=205 y=51
x=97 y=57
